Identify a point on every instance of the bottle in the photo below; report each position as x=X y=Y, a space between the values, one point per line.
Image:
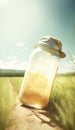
x=40 y=74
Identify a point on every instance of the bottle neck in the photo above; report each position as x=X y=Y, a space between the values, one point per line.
x=49 y=49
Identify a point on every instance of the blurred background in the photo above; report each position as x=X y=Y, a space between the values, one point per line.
x=24 y=22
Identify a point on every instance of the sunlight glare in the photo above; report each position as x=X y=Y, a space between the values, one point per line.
x=3 y=3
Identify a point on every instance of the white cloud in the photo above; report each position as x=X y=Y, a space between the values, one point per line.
x=20 y=44
x=72 y=60
x=13 y=63
x=25 y=48
x=12 y=58
x=66 y=67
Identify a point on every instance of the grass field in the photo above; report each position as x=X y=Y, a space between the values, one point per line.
x=9 y=88
x=63 y=101
x=62 y=104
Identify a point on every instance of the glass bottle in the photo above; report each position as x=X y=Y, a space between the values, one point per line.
x=40 y=74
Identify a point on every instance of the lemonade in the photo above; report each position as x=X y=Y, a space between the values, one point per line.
x=35 y=90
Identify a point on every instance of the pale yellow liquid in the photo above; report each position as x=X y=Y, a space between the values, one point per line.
x=35 y=91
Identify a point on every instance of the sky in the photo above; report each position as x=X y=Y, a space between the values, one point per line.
x=24 y=22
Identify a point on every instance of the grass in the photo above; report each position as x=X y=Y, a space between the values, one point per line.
x=62 y=102
x=7 y=100
x=61 y=106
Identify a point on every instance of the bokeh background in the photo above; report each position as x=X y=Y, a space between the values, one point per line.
x=24 y=22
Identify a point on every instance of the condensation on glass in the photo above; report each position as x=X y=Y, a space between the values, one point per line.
x=40 y=74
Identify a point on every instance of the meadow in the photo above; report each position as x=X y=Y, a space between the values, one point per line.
x=62 y=102
x=61 y=106
x=9 y=88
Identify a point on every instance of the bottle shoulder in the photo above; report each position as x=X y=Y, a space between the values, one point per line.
x=37 y=50
x=37 y=53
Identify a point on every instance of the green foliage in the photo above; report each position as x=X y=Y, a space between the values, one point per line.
x=11 y=73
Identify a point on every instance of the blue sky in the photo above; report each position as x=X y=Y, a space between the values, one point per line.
x=24 y=22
